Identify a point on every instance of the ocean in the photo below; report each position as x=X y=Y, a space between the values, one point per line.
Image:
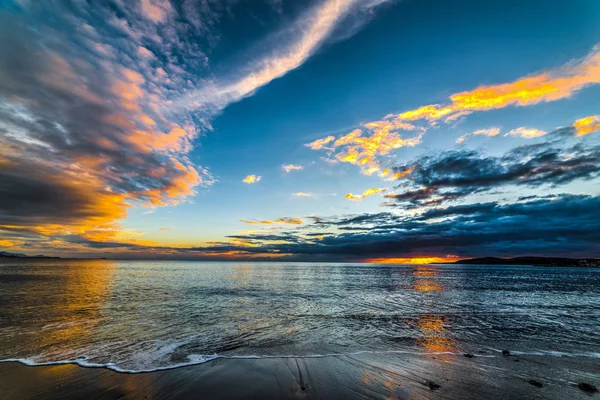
x=134 y=316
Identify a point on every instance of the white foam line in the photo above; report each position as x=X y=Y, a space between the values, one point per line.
x=112 y=366
x=201 y=359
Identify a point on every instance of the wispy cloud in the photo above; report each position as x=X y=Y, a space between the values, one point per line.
x=283 y=220
x=365 y=194
x=546 y=86
x=490 y=132
x=309 y=32
x=526 y=133
x=302 y=194
x=251 y=179
x=291 y=167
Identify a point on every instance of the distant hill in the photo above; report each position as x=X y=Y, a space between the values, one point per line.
x=6 y=254
x=537 y=261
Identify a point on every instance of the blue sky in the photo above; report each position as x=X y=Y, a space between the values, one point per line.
x=145 y=117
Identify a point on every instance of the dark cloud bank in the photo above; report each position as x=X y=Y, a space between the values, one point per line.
x=563 y=225
x=455 y=175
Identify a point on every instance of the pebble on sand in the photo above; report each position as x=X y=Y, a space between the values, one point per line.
x=588 y=388
x=535 y=383
x=432 y=385
x=505 y=353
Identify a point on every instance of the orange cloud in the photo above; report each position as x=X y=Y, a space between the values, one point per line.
x=366 y=193
x=321 y=143
x=251 y=179
x=587 y=125
x=546 y=86
x=283 y=220
x=176 y=140
x=365 y=151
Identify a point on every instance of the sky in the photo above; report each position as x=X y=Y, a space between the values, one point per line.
x=324 y=130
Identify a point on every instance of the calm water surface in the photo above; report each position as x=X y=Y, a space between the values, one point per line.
x=140 y=315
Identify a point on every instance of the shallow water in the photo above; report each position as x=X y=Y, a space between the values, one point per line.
x=145 y=315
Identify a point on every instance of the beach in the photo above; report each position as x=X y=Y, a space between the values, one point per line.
x=405 y=376
x=157 y=330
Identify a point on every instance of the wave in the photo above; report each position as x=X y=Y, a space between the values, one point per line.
x=197 y=359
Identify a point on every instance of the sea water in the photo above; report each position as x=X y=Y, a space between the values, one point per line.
x=147 y=315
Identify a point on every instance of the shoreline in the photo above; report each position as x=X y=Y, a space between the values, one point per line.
x=382 y=376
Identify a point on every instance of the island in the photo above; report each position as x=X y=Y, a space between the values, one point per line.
x=6 y=254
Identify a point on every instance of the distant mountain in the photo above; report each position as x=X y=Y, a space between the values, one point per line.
x=537 y=261
x=6 y=254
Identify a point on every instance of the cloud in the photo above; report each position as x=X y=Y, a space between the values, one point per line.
x=321 y=143
x=453 y=175
x=555 y=84
x=490 y=132
x=367 y=152
x=547 y=86
x=587 y=125
x=81 y=139
x=165 y=229
x=304 y=37
x=291 y=167
x=302 y=194
x=565 y=225
x=283 y=220
x=365 y=194
x=251 y=179
x=526 y=133
x=156 y=10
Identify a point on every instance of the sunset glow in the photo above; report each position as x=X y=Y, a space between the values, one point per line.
x=159 y=128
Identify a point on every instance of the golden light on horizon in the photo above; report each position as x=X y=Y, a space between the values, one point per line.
x=412 y=260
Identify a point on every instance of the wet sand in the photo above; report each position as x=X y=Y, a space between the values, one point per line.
x=400 y=376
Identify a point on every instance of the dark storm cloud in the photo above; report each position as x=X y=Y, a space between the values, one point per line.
x=566 y=225
x=453 y=175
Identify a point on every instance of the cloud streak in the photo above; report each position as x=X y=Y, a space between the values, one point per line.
x=283 y=220
x=547 y=86
x=309 y=33
x=291 y=167
x=490 y=132
x=365 y=194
